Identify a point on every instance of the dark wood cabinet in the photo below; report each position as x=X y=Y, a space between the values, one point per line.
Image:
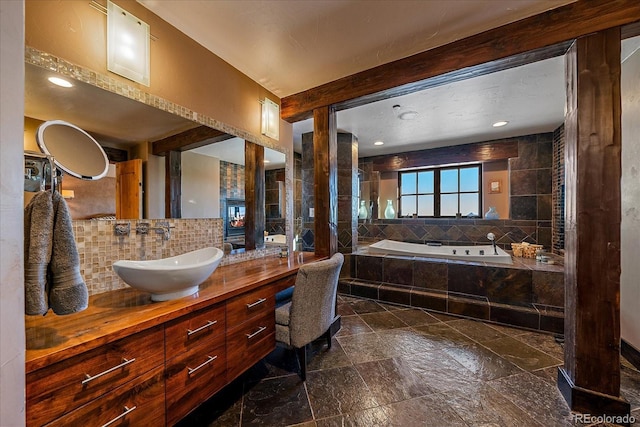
x=128 y=359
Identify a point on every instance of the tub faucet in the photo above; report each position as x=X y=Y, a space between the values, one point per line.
x=492 y=237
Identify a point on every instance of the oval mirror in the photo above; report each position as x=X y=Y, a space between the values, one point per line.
x=74 y=151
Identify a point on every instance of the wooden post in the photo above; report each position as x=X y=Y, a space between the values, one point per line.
x=173 y=183
x=590 y=378
x=254 y=187
x=325 y=148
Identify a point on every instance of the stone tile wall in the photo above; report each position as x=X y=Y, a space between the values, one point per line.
x=450 y=231
x=99 y=248
x=307 y=226
x=347 y=192
x=557 y=238
x=530 y=179
x=526 y=294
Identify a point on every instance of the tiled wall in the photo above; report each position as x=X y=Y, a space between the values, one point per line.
x=347 y=192
x=231 y=180
x=307 y=223
x=525 y=294
x=449 y=231
x=530 y=179
x=530 y=205
x=99 y=248
x=557 y=238
x=274 y=216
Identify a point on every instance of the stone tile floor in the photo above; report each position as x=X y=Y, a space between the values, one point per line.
x=397 y=366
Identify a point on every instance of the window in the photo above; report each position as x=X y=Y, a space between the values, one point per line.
x=441 y=192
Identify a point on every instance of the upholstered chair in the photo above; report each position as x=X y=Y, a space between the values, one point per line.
x=312 y=309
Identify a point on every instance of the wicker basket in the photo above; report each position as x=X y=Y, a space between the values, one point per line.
x=525 y=250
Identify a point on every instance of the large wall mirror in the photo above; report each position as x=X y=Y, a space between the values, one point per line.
x=212 y=175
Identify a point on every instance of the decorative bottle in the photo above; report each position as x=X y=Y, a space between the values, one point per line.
x=389 y=212
x=362 y=212
x=492 y=213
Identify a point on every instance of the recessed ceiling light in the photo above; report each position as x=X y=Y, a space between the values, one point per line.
x=404 y=115
x=267 y=161
x=500 y=124
x=59 y=82
x=378 y=143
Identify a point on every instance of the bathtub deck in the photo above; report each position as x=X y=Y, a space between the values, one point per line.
x=525 y=294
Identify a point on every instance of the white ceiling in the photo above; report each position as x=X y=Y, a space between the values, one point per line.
x=531 y=98
x=290 y=46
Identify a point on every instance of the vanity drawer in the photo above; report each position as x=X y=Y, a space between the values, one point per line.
x=66 y=385
x=139 y=402
x=250 y=342
x=188 y=331
x=192 y=377
x=246 y=306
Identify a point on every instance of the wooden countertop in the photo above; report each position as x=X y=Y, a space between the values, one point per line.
x=117 y=314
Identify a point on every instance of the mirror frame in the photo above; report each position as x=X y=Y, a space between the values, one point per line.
x=120 y=87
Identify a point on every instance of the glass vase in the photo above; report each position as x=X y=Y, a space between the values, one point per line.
x=389 y=212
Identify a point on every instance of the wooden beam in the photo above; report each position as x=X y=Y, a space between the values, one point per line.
x=481 y=152
x=189 y=139
x=590 y=378
x=254 y=195
x=546 y=29
x=325 y=150
x=173 y=185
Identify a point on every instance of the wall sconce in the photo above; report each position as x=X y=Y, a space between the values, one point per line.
x=270 y=119
x=128 y=40
x=68 y=194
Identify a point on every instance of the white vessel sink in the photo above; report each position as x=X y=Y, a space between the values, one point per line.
x=170 y=278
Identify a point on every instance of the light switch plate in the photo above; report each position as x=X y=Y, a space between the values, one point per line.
x=311 y=212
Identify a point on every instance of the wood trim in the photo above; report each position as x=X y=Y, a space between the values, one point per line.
x=476 y=152
x=189 y=139
x=254 y=194
x=173 y=184
x=546 y=29
x=592 y=216
x=325 y=159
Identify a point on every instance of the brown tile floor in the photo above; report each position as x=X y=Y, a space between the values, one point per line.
x=394 y=366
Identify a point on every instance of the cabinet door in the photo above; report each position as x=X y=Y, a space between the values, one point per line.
x=64 y=386
x=249 y=342
x=137 y=403
x=189 y=331
x=250 y=304
x=193 y=377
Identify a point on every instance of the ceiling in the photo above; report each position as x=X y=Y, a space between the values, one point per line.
x=530 y=97
x=291 y=46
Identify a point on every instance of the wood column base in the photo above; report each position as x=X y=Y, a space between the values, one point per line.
x=589 y=401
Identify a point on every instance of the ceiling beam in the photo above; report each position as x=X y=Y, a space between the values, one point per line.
x=188 y=140
x=543 y=30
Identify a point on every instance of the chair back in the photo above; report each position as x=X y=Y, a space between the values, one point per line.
x=313 y=304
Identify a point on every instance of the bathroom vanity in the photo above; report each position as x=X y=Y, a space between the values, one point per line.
x=128 y=359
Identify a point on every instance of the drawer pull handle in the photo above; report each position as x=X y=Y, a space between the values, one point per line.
x=259 y=331
x=126 y=412
x=253 y=304
x=124 y=363
x=201 y=328
x=202 y=365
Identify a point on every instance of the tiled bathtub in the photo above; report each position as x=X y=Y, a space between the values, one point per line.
x=526 y=294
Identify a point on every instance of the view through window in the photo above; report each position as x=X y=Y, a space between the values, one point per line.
x=441 y=192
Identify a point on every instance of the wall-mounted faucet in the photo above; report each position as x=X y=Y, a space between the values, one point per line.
x=160 y=228
x=163 y=228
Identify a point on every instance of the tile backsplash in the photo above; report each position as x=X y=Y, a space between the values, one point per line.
x=99 y=247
